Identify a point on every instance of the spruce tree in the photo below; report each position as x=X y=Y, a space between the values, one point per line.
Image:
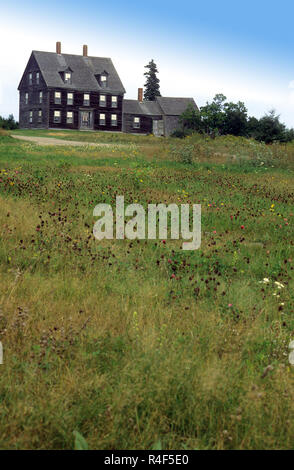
x=152 y=82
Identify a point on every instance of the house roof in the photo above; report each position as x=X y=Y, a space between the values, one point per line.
x=146 y=108
x=83 y=69
x=175 y=106
x=162 y=106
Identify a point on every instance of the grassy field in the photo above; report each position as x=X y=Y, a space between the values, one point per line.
x=138 y=344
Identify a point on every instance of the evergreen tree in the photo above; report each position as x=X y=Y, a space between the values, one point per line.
x=152 y=82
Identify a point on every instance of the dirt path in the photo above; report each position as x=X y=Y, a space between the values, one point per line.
x=53 y=141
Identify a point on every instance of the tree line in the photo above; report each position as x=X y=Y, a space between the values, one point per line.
x=221 y=117
x=8 y=123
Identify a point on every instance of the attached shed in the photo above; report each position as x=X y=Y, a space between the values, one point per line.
x=139 y=116
x=172 y=108
x=160 y=117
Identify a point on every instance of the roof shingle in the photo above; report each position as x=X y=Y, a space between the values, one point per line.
x=83 y=69
x=146 y=108
x=175 y=106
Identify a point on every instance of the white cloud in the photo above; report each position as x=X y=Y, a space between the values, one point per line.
x=196 y=74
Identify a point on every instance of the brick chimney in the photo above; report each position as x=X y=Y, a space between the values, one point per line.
x=85 y=50
x=58 y=47
x=140 y=94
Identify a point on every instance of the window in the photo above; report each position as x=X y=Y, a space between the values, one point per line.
x=86 y=99
x=30 y=78
x=57 y=116
x=70 y=98
x=69 y=117
x=114 y=101
x=103 y=80
x=102 y=119
x=31 y=117
x=40 y=97
x=136 y=123
x=102 y=101
x=57 y=97
x=26 y=98
x=67 y=77
x=114 y=120
x=37 y=78
x=40 y=115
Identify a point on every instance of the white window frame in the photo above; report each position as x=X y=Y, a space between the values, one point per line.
x=30 y=78
x=40 y=115
x=114 y=120
x=57 y=117
x=67 y=79
x=40 y=97
x=37 y=78
x=69 y=120
x=136 y=122
x=30 y=116
x=57 y=99
x=114 y=101
x=102 y=122
x=86 y=102
x=103 y=80
x=102 y=102
x=26 y=98
x=70 y=100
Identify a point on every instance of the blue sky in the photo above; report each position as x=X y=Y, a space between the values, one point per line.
x=244 y=51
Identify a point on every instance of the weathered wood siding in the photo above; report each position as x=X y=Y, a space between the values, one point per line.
x=78 y=104
x=171 y=123
x=146 y=123
x=33 y=98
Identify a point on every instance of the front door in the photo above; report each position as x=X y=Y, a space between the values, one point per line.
x=86 y=119
x=158 y=128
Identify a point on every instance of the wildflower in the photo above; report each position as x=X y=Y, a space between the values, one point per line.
x=279 y=285
x=264 y=281
x=291 y=355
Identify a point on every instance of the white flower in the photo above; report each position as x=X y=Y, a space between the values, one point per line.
x=279 y=284
x=264 y=281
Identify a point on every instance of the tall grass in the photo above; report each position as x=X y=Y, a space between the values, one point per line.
x=124 y=344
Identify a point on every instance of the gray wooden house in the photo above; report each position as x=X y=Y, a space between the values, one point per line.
x=69 y=91
x=66 y=91
x=159 y=117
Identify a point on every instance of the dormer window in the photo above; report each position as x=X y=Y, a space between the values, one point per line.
x=103 y=80
x=67 y=77
x=30 y=78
